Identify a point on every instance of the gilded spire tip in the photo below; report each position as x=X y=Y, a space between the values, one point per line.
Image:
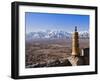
x=75 y=28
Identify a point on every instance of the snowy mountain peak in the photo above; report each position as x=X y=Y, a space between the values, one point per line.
x=54 y=35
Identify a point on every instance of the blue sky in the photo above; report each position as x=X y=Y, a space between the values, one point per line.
x=55 y=22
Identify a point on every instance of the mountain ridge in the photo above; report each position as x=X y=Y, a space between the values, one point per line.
x=54 y=35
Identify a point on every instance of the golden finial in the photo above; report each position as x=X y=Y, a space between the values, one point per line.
x=75 y=28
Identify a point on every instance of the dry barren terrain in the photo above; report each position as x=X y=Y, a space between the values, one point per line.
x=45 y=51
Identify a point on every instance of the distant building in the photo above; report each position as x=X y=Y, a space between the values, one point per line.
x=85 y=52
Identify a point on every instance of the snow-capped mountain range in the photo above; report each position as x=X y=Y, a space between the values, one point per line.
x=54 y=35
